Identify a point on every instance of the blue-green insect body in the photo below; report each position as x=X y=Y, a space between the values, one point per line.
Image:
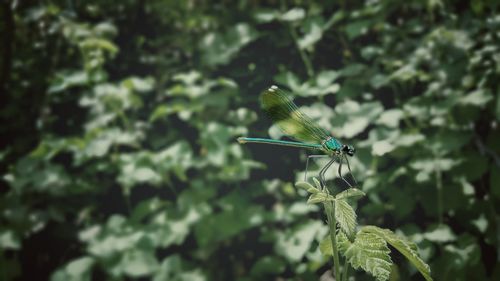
x=332 y=144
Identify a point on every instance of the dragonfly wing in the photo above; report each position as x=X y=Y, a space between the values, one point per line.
x=289 y=118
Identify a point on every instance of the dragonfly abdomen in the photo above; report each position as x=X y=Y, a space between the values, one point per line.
x=243 y=140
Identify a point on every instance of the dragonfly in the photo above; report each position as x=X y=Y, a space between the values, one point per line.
x=298 y=126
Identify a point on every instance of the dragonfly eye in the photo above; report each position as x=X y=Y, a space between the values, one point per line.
x=348 y=149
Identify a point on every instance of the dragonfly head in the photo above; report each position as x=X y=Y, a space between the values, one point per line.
x=348 y=149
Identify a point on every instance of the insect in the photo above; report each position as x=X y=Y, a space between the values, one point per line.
x=300 y=127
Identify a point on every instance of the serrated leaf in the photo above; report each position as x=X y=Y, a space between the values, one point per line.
x=307 y=186
x=346 y=217
x=318 y=198
x=405 y=247
x=325 y=246
x=369 y=252
x=351 y=193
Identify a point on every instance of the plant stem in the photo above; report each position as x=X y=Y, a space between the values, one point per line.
x=303 y=55
x=345 y=274
x=439 y=186
x=332 y=223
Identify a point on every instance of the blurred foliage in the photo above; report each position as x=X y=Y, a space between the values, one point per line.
x=119 y=121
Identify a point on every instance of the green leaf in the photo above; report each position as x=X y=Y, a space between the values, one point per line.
x=294 y=14
x=346 y=217
x=313 y=32
x=352 y=69
x=307 y=186
x=369 y=251
x=317 y=183
x=382 y=147
x=139 y=84
x=219 y=49
x=80 y=266
x=358 y=28
x=268 y=265
x=9 y=240
x=237 y=215
x=405 y=247
x=263 y=16
x=477 y=98
x=319 y=198
x=138 y=263
x=76 y=270
x=66 y=80
x=351 y=193
x=481 y=223
x=440 y=234
x=390 y=118
x=295 y=244
x=173 y=268
x=325 y=246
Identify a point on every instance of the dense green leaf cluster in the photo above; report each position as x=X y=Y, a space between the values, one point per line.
x=119 y=122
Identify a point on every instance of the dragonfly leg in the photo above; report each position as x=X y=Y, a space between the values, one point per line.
x=307 y=162
x=350 y=172
x=341 y=160
x=323 y=171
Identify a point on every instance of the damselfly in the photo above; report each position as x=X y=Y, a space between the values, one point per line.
x=300 y=127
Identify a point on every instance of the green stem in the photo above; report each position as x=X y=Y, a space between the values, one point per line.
x=345 y=274
x=332 y=223
x=439 y=186
x=303 y=55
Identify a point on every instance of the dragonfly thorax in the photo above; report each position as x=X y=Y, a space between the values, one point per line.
x=332 y=145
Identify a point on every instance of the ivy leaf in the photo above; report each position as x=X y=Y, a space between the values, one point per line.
x=346 y=217
x=369 y=252
x=351 y=193
x=405 y=247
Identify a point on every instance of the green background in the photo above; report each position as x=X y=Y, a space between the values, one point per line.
x=119 y=121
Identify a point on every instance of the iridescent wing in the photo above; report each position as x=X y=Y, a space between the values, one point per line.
x=289 y=118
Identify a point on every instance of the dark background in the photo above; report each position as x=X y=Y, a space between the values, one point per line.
x=119 y=121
